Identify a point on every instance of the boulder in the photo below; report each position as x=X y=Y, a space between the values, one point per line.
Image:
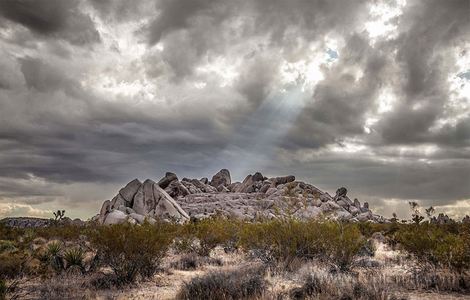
x=129 y=191
x=342 y=215
x=119 y=201
x=364 y=216
x=105 y=208
x=257 y=177
x=115 y=217
x=325 y=198
x=177 y=189
x=138 y=204
x=308 y=213
x=354 y=210
x=357 y=204
x=329 y=206
x=221 y=178
x=365 y=207
x=283 y=180
x=341 y=192
x=167 y=179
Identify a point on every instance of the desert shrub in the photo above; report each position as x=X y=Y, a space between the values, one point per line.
x=7 y=246
x=203 y=236
x=10 y=233
x=67 y=286
x=12 y=265
x=286 y=240
x=239 y=284
x=74 y=258
x=62 y=232
x=131 y=250
x=193 y=261
x=436 y=244
x=323 y=285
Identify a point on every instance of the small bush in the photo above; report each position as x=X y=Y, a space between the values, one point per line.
x=240 y=284
x=12 y=265
x=7 y=246
x=192 y=261
x=322 y=285
x=67 y=286
x=131 y=250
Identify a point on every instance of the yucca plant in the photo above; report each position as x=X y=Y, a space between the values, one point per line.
x=74 y=258
x=54 y=255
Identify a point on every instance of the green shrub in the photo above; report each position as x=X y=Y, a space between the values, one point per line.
x=239 y=284
x=286 y=240
x=131 y=250
x=203 y=236
x=439 y=245
x=7 y=246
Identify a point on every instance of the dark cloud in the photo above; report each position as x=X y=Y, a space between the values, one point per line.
x=52 y=18
x=192 y=87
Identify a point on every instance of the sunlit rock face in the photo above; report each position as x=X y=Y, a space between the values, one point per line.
x=257 y=197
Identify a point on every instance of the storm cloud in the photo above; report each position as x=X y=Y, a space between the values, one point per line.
x=371 y=95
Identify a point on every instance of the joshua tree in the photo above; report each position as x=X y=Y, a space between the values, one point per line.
x=430 y=211
x=394 y=218
x=416 y=216
x=59 y=215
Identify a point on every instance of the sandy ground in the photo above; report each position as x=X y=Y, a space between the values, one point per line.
x=165 y=285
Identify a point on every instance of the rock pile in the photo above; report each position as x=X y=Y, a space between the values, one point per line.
x=257 y=196
x=137 y=202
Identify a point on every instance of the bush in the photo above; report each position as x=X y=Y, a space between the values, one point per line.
x=12 y=265
x=7 y=246
x=193 y=261
x=131 y=250
x=287 y=240
x=203 y=236
x=322 y=285
x=437 y=244
x=240 y=284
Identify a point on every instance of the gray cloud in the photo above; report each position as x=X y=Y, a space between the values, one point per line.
x=52 y=18
x=194 y=87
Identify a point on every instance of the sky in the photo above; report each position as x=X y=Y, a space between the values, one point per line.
x=370 y=95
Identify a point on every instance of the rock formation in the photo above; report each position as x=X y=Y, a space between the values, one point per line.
x=137 y=202
x=257 y=196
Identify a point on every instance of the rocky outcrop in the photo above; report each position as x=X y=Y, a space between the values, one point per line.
x=442 y=219
x=257 y=196
x=30 y=222
x=148 y=202
x=169 y=178
x=222 y=178
x=466 y=219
